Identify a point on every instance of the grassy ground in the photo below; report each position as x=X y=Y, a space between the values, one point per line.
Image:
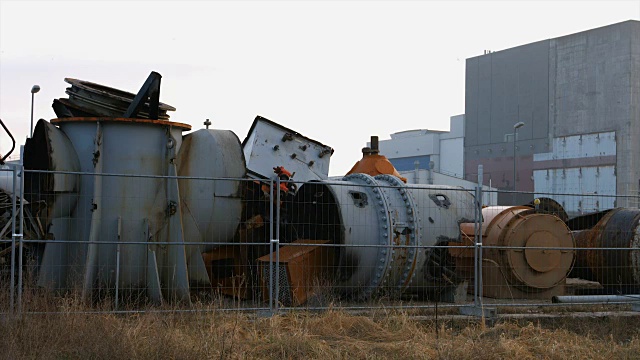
x=64 y=330
x=302 y=335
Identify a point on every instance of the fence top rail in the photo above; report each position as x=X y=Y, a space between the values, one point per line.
x=281 y=244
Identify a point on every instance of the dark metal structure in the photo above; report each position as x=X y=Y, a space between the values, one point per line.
x=87 y=99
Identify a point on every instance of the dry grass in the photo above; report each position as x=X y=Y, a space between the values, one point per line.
x=63 y=331
x=330 y=335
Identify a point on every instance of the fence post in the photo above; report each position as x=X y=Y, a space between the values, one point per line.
x=13 y=238
x=277 y=223
x=119 y=236
x=21 y=228
x=478 y=309
x=271 y=243
x=477 y=237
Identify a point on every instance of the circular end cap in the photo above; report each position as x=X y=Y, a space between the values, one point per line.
x=542 y=260
x=535 y=267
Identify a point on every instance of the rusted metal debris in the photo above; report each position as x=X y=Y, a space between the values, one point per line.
x=13 y=146
x=32 y=229
x=613 y=255
x=536 y=247
x=304 y=270
x=87 y=99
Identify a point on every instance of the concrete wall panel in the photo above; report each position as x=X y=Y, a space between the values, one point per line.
x=579 y=84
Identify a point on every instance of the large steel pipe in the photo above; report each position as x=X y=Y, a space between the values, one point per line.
x=595 y=299
x=389 y=232
x=614 y=255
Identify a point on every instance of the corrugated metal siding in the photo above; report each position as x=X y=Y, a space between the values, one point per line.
x=593 y=181
x=580 y=146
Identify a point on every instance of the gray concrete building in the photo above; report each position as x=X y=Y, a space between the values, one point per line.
x=579 y=98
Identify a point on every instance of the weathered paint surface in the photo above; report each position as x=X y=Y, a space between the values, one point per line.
x=127 y=219
x=269 y=145
x=614 y=258
x=378 y=216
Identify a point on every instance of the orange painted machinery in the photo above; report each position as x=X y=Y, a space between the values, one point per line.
x=372 y=163
x=526 y=254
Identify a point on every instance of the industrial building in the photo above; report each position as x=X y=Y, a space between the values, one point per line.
x=575 y=101
x=577 y=96
x=440 y=151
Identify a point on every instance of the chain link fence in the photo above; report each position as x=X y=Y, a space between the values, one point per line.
x=168 y=243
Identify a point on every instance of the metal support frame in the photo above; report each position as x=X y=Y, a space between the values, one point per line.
x=13 y=144
x=274 y=247
x=33 y=95
x=150 y=90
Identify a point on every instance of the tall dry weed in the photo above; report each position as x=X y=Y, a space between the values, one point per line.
x=207 y=333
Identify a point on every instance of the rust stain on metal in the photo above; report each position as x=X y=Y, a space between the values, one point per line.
x=306 y=268
x=520 y=265
x=615 y=269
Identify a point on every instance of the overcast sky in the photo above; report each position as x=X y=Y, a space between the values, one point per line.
x=337 y=72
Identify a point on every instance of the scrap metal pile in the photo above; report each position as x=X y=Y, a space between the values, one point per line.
x=138 y=207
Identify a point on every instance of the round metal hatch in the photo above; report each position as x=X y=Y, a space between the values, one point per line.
x=542 y=253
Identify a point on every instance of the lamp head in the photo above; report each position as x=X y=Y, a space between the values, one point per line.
x=518 y=125
x=35 y=89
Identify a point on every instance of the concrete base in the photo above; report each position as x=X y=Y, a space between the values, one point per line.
x=452 y=294
x=479 y=311
x=265 y=313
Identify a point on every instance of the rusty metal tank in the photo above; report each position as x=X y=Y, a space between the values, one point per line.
x=613 y=258
x=533 y=255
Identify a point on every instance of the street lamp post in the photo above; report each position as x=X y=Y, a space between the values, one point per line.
x=516 y=126
x=34 y=90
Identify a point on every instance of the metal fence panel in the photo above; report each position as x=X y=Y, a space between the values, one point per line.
x=358 y=243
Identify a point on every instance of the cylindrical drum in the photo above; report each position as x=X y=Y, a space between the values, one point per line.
x=535 y=251
x=614 y=258
x=388 y=233
x=212 y=165
x=114 y=209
